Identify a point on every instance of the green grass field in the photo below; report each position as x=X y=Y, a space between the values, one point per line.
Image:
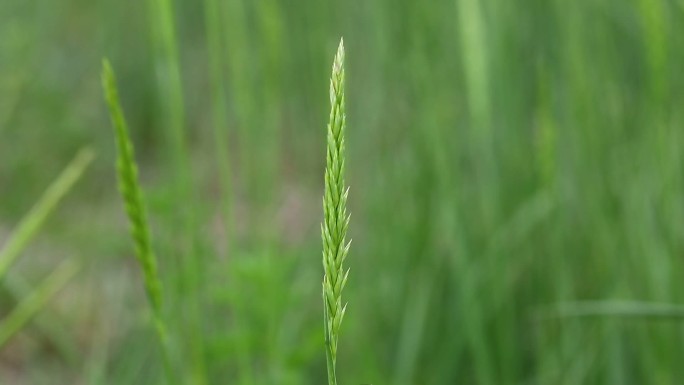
x=516 y=174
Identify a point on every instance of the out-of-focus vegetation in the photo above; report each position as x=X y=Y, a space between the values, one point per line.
x=508 y=161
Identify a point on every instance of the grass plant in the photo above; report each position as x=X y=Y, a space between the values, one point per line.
x=129 y=186
x=336 y=219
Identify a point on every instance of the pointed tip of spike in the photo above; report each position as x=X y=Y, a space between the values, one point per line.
x=108 y=80
x=339 y=57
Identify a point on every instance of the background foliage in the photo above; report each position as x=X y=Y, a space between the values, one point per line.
x=503 y=157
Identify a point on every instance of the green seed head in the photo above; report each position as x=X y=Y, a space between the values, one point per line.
x=336 y=219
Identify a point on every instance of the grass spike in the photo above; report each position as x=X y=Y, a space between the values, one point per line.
x=336 y=219
x=129 y=186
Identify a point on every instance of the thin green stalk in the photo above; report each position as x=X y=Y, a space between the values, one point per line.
x=32 y=304
x=219 y=105
x=190 y=261
x=35 y=218
x=336 y=219
x=475 y=63
x=476 y=59
x=612 y=308
x=169 y=77
x=135 y=208
x=270 y=50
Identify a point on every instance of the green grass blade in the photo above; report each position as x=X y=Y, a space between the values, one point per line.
x=54 y=332
x=185 y=221
x=131 y=193
x=32 y=304
x=31 y=223
x=169 y=76
x=214 y=30
x=615 y=308
x=475 y=61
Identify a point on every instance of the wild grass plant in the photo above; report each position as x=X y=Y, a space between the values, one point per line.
x=335 y=217
x=131 y=192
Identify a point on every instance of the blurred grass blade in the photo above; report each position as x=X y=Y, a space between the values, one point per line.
x=35 y=218
x=131 y=193
x=633 y=309
x=32 y=304
x=214 y=30
x=169 y=77
x=185 y=221
x=52 y=331
x=475 y=61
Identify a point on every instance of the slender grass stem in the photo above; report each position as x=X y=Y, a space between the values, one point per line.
x=616 y=308
x=214 y=32
x=190 y=262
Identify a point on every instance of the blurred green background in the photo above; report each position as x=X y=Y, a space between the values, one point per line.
x=506 y=158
